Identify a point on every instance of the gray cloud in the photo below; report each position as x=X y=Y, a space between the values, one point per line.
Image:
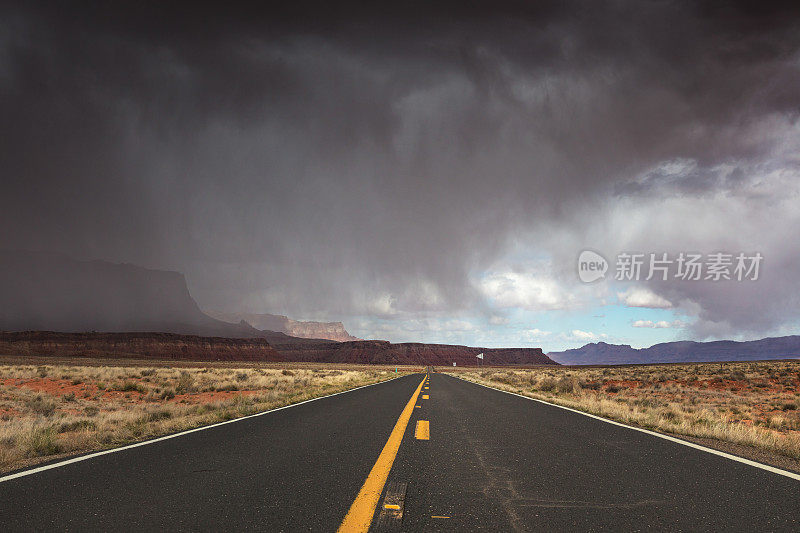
x=323 y=160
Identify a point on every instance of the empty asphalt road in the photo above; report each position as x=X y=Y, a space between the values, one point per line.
x=436 y=454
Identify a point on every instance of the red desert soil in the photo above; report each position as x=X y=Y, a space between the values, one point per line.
x=60 y=387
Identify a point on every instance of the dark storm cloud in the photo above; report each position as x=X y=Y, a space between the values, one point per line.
x=364 y=158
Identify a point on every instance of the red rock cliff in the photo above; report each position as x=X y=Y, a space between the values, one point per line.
x=307 y=330
x=384 y=352
x=136 y=345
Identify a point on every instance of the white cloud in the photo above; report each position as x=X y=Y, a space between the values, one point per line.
x=642 y=297
x=498 y=320
x=534 y=290
x=659 y=325
x=382 y=305
x=534 y=335
x=577 y=334
x=407 y=330
x=458 y=325
x=522 y=290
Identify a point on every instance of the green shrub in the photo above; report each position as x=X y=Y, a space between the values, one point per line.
x=42 y=441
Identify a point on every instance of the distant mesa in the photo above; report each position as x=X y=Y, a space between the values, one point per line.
x=601 y=353
x=53 y=292
x=143 y=345
x=333 y=331
x=384 y=352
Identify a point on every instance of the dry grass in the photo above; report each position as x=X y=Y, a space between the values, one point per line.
x=754 y=403
x=56 y=409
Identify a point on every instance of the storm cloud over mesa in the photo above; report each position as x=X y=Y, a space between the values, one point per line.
x=321 y=160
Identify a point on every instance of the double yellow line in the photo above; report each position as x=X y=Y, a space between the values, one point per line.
x=359 y=517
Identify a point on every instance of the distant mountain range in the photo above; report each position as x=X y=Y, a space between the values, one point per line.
x=52 y=294
x=601 y=353
x=306 y=330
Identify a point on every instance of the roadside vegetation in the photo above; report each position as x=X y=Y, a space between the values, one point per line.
x=754 y=404
x=61 y=409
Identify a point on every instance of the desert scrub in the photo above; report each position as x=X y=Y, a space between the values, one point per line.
x=41 y=405
x=66 y=409
x=185 y=383
x=753 y=403
x=41 y=441
x=131 y=386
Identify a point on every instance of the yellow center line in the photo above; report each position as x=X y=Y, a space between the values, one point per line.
x=425 y=396
x=359 y=517
x=423 y=431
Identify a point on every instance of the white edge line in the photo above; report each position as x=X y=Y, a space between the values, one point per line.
x=86 y=457
x=732 y=457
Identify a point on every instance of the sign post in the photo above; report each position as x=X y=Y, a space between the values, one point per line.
x=480 y=358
